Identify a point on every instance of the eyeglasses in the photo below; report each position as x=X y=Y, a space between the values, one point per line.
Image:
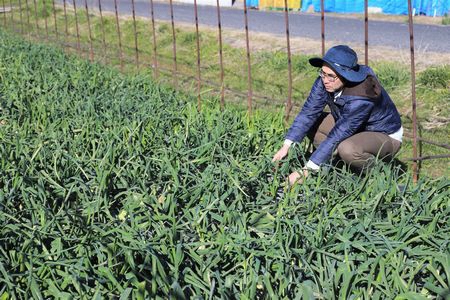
x=329 y=77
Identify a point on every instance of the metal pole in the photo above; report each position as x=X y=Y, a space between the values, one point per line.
x=415 y=168
x=54 y=17
x=420 y=158
x=199 y=101
x=442 y=145
x=4 y=14
x=136 y=54
x=28 y=16
x=44 y=9
x=21 y=17
x=222 y=86
x=250 y=92
x=91 y=48
x=65 y=19
x=322 y=21
x=118 y=34
x=289 y=100
x=11 y=14
x=36 y=17
x=78 y=30
x=155 y=56
x=174 y=46
x=366 y=31
x=103 y=30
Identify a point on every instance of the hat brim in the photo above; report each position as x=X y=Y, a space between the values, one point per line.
x=352 y=75
x=316 y=62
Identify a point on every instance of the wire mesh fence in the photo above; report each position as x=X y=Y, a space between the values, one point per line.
x=111 y=32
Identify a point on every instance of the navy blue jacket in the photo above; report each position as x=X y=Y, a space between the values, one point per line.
x=365 y=106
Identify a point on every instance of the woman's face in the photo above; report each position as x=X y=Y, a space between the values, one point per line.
x=331 y=81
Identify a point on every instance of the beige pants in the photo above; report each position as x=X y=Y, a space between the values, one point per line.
x=359 y=150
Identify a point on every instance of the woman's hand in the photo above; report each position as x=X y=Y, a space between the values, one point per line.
x=281 y=153
x=297 y=177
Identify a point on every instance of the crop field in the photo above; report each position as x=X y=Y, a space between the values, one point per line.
x=137 y=48
x=112 y=186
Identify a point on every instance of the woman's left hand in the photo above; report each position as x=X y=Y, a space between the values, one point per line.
x=297 y=177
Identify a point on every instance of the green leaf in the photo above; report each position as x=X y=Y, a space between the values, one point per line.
x=410 y=296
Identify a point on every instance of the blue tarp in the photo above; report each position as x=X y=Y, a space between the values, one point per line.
x=396 y=7
x=432 y=7
x=252 y=3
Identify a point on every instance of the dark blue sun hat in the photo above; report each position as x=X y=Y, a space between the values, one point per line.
x=344 y=61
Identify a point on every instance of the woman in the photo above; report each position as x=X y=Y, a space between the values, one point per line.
x=363 y=124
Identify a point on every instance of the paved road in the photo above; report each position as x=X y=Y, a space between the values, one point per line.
x=427 y=38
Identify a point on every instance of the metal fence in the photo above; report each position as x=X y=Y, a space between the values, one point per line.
x=68 y=23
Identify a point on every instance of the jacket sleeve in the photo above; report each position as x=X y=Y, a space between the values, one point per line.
x=311 y=110
x=354 y=115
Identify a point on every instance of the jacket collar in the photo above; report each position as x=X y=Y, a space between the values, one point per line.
x=369 y=88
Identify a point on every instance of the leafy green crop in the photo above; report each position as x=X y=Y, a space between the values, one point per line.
x=112 y=186
x=135 y=49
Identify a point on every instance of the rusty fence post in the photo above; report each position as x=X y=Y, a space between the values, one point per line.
x=222 y=86
x=27 y=10
x=102 y=25
x=4 y=13
x=36 y=18
x=44 y=11
x=288 y=43
x=174 y=44
x=249 y=68
x=77 y=27
x=118 y=35
x=66 y=29
x=155 y=56
x=11 y=15
x=56 y=23
x=91 y=48
x=322 y=21
x=199 y=101
x=20 y=16
x=415 y=168
x=366 y=32
x=136 y=54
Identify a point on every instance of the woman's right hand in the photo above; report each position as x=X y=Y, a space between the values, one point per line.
x=281 y=153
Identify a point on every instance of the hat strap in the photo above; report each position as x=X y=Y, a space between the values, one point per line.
x=345 y=67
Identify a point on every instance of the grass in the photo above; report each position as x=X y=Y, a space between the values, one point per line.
x=445 y=20
x=269 y=68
